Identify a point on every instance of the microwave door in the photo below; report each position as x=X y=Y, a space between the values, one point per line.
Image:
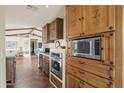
x=74 y=48
x=96 y=49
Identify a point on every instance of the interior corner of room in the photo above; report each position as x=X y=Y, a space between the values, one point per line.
x=61 y=46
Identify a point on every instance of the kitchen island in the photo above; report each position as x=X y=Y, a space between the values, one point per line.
x=10 y=69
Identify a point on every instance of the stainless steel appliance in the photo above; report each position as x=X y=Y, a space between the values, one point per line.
x=56 y=64
x=87 y=47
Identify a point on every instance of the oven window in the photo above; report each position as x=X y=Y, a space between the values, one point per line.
x=55 y=65
x=83 y=47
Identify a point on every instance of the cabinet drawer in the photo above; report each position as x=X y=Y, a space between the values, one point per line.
x=83 y=84
x=56 y=81
x=74 y=82
x=92 y=66
x=92 y=79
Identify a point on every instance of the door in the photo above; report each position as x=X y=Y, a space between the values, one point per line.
x=99 y=18
x=72 y=82
x=73 y=21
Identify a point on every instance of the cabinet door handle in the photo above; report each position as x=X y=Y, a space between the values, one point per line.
x=79 y=19
x=82 y=18
x=81 y=72
x=109 y=84
x=81 y=62
x=81 y=83
x=83 y=33
x=110 y=27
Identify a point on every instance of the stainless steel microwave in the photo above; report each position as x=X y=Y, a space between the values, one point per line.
x=88 y=47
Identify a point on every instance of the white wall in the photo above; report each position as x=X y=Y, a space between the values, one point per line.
x=21 y=42
x=2 y=49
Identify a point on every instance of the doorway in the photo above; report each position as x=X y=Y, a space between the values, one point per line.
x=33 y=45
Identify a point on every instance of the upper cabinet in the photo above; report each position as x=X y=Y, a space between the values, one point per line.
x=45 y=34
x=56 y=29
x=73 y=20
x=86 y=20
x=99 y=18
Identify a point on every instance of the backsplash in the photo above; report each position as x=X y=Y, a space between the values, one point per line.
x=52 y=45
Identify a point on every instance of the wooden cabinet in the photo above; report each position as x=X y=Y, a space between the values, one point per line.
x=72 y=82
x=87 y=20
x=97 y=73
x=90 y=78
x=56 y=29
x=92 y=66
x=45 y=34
x=10 y=70
x=99 y=18
x=73 y=20
x=44 y=64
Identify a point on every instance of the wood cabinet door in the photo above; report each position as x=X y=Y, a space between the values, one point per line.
x=108 y=51
x=73 y=21
x=72 y=82
x=99 y=18
x=46 y=68
x=45 y=34
x=53 y=31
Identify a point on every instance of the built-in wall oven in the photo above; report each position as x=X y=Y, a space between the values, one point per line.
x=56 y=64
x=87 y=47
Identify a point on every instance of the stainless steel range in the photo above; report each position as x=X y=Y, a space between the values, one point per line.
x=56 y=64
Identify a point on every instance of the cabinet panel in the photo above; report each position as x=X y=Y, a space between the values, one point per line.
x=95 y=67
x=72 y=82
x=99 y=18
x=108 y=48
x=56 y=29
x=73 y=21
x=92 y=79
x=45 y=34
x=53 y=31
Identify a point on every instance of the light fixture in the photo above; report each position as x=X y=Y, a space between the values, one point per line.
x=46 y=6
x=32 y=8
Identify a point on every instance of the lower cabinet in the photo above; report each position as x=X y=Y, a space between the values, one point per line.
x=10 y=70
x=74 y=82
x=46 y=68
x=44 y=64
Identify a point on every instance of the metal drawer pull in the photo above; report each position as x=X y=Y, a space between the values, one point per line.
x=81 y=62
x=109 y=84
x=81 y=84
x=81 y=72
x=73 y=70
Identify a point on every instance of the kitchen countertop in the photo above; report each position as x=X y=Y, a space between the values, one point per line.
x=45 y=54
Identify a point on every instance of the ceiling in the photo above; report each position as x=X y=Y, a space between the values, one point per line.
x=21 y=16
